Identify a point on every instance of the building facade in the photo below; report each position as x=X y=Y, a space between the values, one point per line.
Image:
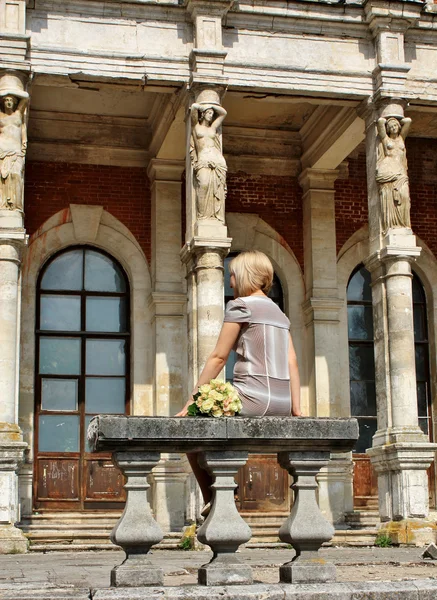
x=141 y=142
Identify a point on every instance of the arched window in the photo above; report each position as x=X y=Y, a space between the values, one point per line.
x=421 y=344
x=82 y=369
x=276 y=294
x=361 y=356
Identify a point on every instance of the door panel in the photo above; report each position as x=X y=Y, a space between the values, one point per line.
x=365 y=482
x=57 y=479
x=103 y=481
x=263 y=485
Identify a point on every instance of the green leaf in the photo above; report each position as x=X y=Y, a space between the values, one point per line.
x=193 y=410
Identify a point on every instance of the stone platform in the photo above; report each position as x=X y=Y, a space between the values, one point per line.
x=303 y=447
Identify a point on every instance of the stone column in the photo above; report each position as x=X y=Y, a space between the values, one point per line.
x=321 y=309
x=401 y=453
x=168 y=306
x=13 y=100
x=206 y=238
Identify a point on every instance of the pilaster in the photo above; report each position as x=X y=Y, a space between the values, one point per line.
x=322 y=304
x=208 y=55
x=388 y=23
x=168 y=480
x=168 y=300
x=14 y=42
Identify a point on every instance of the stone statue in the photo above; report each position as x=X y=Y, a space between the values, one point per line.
x=209 y=164
x=391 y=172
x=13 y=144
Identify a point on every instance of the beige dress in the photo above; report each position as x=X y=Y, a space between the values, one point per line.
x=261 y=373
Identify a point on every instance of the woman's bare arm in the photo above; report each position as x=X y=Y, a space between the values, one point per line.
x=294 y=380
x=217 y=360
x=221 y=112
x=195 y=114
x=405 y=126
x=380 y=125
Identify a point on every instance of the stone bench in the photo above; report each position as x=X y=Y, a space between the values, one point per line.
x=303 y=446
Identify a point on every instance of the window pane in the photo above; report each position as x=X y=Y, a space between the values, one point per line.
x=228 y=290
x=230 y=366
x=88 y=447
x=419 y=323
x=105 y=396
x=65 y=272
x=359 y=288
x=59 y=356
x=102 y=274
x=360 y=323
x=361 y=362
x=105 y=357
x=59 y=394
x=60 y=313
x=424 y=425
x=363 y=399
x=421 y=362
x=367 y=429
x=106 y=314
x=418 y=293
x=58 y=433
x=422 y=399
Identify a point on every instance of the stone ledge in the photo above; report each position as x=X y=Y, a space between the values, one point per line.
x=419 y=589
x=257 y=434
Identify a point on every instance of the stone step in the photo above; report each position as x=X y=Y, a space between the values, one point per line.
x=362 y=519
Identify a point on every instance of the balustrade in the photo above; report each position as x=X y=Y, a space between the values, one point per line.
x=303 y=446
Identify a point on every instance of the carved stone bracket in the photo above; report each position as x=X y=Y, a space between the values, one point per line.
x=306 y=528
x=224 y=530
x=136 y=531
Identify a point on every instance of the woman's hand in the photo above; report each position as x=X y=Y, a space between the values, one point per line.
x=184 y=411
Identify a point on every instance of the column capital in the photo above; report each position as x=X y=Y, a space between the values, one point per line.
x=160 y=169
x=167 y=304
x=318 y=179
x=199 y=245
x=217 y=8
x=322 y=309
x=12 y=244
x=394 y=16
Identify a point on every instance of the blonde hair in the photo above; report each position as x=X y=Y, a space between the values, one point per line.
x=252 y=271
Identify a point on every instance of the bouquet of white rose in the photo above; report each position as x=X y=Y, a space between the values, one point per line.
x=215 y=399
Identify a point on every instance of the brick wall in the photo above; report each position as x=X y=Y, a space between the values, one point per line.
x=277 y=200
x=422 y=170
x=351 y=194
x=351 y=201
x=122 y=191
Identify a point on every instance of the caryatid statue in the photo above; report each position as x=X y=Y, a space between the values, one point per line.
x=13 y=144
x=209 y=165
x=392 y=172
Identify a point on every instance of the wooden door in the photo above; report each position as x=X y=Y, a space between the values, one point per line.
x=365 y=482
x=263 y=485
x=82 y=369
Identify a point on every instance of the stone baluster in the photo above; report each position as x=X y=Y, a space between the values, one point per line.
x=136 y=531
x=224 y=530
x=306 y=528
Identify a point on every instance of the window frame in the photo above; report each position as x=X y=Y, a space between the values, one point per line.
x=83 y=335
